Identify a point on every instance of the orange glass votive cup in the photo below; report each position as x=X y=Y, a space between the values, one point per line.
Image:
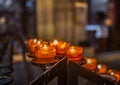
x=91 y=63
x=101 y=68
x=115 y=73
x=31 y=42
x=33 y=45
x=74 y=53
x=61 y=48
x=46 y=54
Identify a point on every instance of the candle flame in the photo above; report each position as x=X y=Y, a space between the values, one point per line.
x=99 y=66
x=88 y=60
x=55 y=42
x=38 y=42
x=112 y=73
x=45 y=46
x=35 y=40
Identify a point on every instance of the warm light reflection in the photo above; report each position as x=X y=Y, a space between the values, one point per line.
x=72 y=50
x=3 y=20
x=63 y=45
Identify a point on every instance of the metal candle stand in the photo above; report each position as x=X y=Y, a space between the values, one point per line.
x=67 y=73
x=6 y=65
x=59 y=70
x=76 y=70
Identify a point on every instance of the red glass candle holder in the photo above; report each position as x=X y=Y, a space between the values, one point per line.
x=61 y=48
x=46 y=54
x=91 y=64
x=114 y=73
x=32 y=44
x=101 y=68
x=74 y=53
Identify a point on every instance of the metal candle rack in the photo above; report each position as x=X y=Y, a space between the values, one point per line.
x=6 y=65
x=76 y=70
x=59 y=70
x=67 y=73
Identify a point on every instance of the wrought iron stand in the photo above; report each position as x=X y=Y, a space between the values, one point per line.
x=67 y=73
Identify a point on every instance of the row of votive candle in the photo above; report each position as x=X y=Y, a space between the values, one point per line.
x=46 y=52
x=41 y=49
x=92 y=64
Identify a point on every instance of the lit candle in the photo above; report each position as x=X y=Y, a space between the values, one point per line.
x=115 y=74
x=91 y=64
x=74 y=53
x=46 y=54
x=33 y=45
x=101 y=68
x=62 y=48
x=54 y=43
x=31 y=42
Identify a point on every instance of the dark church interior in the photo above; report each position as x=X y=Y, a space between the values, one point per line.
x=59 y=42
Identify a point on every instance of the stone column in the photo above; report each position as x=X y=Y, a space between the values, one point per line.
x=44 y=14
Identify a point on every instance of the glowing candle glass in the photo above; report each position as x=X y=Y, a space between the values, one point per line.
x=115 y=74
x=31 y=42
x=101 y=68
x=32 y=46
x=91 y=64
x=74 y=53
x=46 y=54
x=61 y=48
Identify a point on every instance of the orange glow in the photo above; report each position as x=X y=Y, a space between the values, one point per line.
x=63 y=46
x=72 y=50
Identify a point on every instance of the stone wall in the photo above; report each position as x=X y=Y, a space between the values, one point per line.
x=57 y=19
